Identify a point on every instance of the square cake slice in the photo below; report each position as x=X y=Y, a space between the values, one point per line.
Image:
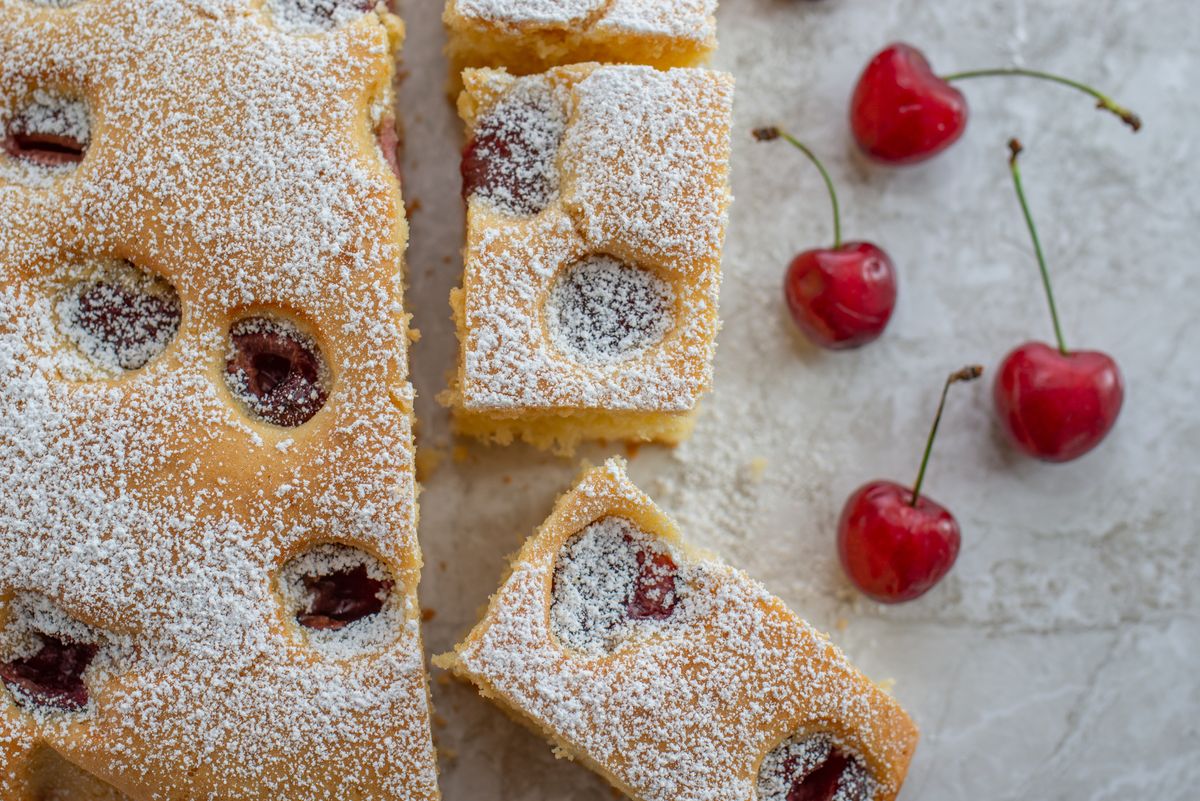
x=597 y=199
x=529 y=36
x=672 y=675
x=208 y=549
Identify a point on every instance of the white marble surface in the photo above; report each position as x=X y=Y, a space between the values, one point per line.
x=1061 y=659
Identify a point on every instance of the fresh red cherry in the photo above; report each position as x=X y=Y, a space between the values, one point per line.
x=902 y=112
x=843 y=296
x=1054 y=403
x=894 y=543
x=1057 y=406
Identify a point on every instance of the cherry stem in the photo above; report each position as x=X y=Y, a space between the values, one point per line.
x=969 y=373
x=769 y=134
x=1014 y=148
x=1103 y=101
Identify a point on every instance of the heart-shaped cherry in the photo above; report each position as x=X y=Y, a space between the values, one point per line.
x=1055 y=404
x=903 y=113
x=843 y=296
x=894 y=543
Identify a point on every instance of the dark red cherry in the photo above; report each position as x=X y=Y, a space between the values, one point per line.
x=654 y=594
x=820 y=783
x=336 y=600
x=128 y=322
x=276 y=371
x=45 y=149
x=53 y=677
x=510 y=159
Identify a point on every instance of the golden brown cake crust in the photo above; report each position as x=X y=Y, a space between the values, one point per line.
x=529 y=36
x=239 y=162
x=686 y=713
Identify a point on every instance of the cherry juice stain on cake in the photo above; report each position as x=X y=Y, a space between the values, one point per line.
x=510 y=162
x=121 y=321
x=337 y=599
x=601 y=310
x=276 y=370
x=52 y=677
x=813 y=768
x=609 y=578
x=52 y=131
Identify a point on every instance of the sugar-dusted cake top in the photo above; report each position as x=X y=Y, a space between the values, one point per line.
x=676 y=676
x=203 y=379
x=683 y=19
x=598 y=198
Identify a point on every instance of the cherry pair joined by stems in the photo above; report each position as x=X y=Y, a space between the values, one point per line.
x=903 y=113
x=841 y=296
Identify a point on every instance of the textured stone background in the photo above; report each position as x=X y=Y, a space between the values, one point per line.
x=1061 y=659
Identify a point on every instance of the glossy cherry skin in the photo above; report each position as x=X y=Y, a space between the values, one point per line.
x=901 y=112
x=1057 y=407
x=841 y=297
x=894 y=551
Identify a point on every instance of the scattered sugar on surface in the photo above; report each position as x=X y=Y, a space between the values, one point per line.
x=594 y=579
x=601 y=310
x=227 y=157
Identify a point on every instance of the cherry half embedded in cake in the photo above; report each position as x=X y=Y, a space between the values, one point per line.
x=276 y=370
x=52 y=131
x=813 y=768
x=510 y=161
x=121 y=321
x=610 y=577
x=603 y=310
x=335 y=600
x=312 y=16
x=52 y=677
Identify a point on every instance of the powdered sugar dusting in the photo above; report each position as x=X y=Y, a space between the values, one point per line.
x=594 y=579
x=238 y=163
x=798 y=757
x=643 y=167
x=43 y=112
x=690 y=19
x=601 y=310
x=690 y=710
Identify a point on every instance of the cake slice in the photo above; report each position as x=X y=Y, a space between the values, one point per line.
x=208 y=549
x=672 y=675
x=597 y=199
x=528 y=36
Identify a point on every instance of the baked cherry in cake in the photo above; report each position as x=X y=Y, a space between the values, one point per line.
x=603 y=310
x=813 y=768
x=53 y=131
x=119 y=320
x=509 y=161
x=52 y=677
x=340 y=598
x=276 y=370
